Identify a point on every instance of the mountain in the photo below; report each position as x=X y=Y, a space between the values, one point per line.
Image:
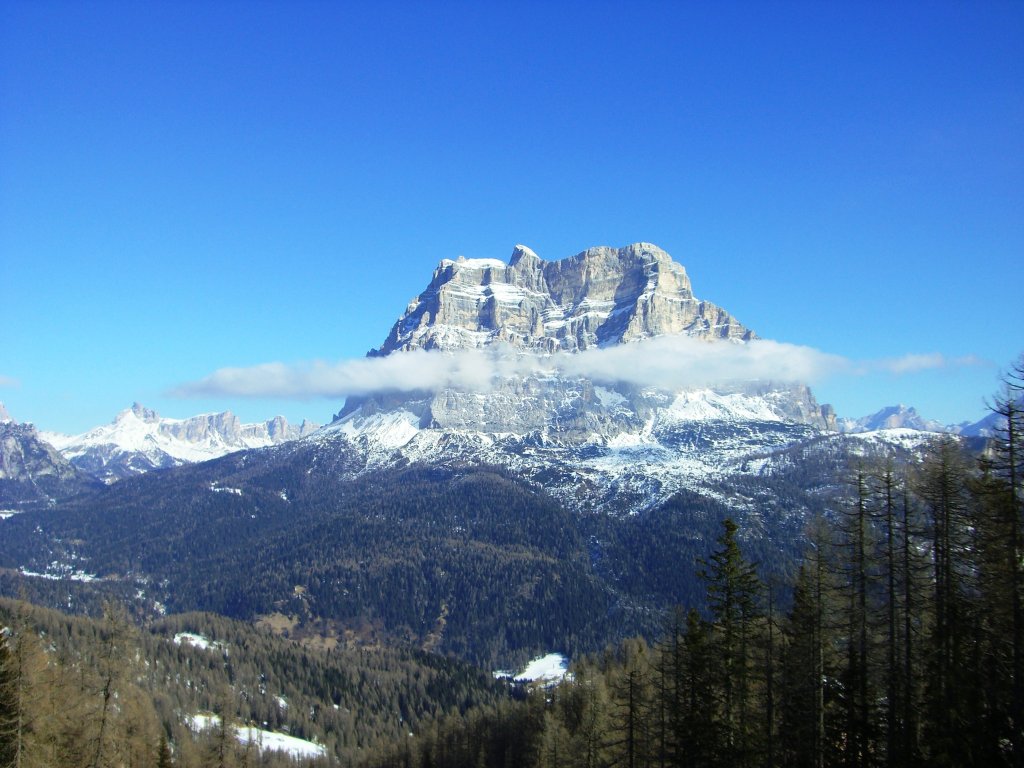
x=549 y=510
x=139 y=440
x=621 y=446
x=891 y=417
x=31 y=470
x=4 y=415
x=599 y=297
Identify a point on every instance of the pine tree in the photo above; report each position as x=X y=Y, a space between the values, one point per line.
x=163 y=754
x=809 y=658
x=8 y=707
x=1005 y=547
x=943 y=488
x=858 y=690
x=733 y=592
x=629 y=689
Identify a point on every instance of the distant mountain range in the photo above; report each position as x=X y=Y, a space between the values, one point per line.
x=589 y=442
x=139 y=440
x=546 y=511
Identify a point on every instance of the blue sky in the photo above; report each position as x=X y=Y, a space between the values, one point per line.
x=190 y=186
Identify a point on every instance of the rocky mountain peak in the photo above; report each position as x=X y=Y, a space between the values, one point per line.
x=31 y=469
x=599 y=297
x=4 y=415
x=139 y=439
x=139 y=411
x=892 y=417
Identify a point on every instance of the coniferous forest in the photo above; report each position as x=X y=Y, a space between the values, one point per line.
x=897 y=641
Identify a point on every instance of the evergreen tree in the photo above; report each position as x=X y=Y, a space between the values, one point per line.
x=1004 y=547
x=163 y=754
x=809 y=660
x=733 y=592
x=943 y=488
x=8 y=707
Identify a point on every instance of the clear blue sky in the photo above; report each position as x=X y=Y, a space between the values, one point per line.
x=187 y=186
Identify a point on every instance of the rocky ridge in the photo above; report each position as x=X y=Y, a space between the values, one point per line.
x=139 y=440
x=31 y=469
x=892 y=417
x=599 y=297
x=624 y=447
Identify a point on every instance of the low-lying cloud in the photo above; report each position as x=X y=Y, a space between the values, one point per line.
x=663 y=362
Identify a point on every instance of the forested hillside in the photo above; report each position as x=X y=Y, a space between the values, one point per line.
x=469 y=561
x=901 y=643
x=82 y=692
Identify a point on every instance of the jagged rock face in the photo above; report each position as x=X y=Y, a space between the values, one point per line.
x=4 y=415
x=616 y=446
x=139 y=440
x=30 y=469
x=599 y=297
x=892 y=417
x=23 y=455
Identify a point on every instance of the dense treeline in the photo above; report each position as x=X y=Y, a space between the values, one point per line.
x=471 y=562
x=901 y=643
x=81 y=692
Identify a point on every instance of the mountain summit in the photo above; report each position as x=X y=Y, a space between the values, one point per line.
x=631 y=446
x=599 y=297
x=139 y=439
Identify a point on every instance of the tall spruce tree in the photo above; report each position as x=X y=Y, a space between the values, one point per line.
x=1005 y=505
x=8 y=707
x=734 y=591
x=944 y=490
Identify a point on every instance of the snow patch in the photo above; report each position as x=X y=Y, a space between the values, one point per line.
x=58 y=572
x=197 y=641
x=389 y=430
x=609 y=398
x=217 y=489
x=264 y=741
x=551 y=668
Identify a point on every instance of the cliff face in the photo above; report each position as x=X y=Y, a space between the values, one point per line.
x=31 y=470
x=139 y=440
x=599 y=297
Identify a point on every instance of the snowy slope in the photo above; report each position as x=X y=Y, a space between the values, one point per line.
x=139 y=439
x=626 y=449
x=892 y=417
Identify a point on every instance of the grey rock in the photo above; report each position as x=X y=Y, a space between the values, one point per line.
x=140 y=440
x=599 y=297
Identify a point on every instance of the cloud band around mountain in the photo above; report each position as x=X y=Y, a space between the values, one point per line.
x=662 y=362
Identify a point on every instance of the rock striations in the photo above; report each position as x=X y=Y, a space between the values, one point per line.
x=31 y=469
x=599 y=297
x=139 y=440
x=621 y=446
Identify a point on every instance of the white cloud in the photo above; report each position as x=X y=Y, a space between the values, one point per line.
x=665 y=362
x=8 y=381
x=925 y=362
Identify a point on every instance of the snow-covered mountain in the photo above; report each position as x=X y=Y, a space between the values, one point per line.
x=599 y=297
x=891 y=417
x=30 y=469
x=622 y=446
x=139 y=440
